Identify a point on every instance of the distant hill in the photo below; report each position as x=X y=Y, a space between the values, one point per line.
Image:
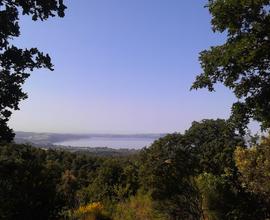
x=44 y=139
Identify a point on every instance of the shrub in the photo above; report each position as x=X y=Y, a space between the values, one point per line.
x=139 y=207
x=92 y=211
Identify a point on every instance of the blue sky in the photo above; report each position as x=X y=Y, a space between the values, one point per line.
x=121 y=66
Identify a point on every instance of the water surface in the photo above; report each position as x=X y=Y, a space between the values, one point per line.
x=111 y=142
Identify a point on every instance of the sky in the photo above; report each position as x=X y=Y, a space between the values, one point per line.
x=121 y=66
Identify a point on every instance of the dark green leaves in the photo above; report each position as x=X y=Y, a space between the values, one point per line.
x=242 y=63
x=15 y=63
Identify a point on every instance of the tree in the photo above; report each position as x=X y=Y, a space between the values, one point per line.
x=118 y=182
x=15 y=63
x=223 y=198
x=139 y=207
x=28 y=185
x=68 y=188
x=242 y=63
x=167 y=173
x=213 y=142
x=254 y=166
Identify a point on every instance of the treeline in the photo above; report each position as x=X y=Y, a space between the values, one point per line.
x=206 y=173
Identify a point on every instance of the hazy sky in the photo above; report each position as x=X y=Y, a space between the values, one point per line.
x=121 y=66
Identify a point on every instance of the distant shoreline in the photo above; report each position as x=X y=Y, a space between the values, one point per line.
x=113 y=141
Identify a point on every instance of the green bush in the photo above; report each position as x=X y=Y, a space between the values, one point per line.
x=139 y=207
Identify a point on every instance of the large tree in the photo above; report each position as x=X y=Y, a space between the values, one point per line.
x=16 y=63
x=242 y=63
x=167 y=171
x=213 y=142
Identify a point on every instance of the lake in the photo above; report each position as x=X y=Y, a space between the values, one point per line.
x=111 y=142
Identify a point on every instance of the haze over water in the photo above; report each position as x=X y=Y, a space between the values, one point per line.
x=111 y=142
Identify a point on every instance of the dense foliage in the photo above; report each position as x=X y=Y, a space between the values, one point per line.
x=167 y=172
x=242 y=63
x=200 y=174
x=254 y=166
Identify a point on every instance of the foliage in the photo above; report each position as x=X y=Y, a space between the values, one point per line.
x=16 y=63
x=41 y=184
x=223 y=198
x=118 y=180
x=213 y=191
x=213 y=142
x=68 y=187
x=139 y=207
x=254 y=166
x=167 y=170
x=165 y=181
x=28 y=186
x=196 y=175
x=242 y=62
x=92 y=211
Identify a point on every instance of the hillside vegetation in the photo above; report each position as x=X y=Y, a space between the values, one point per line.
x=205 y=173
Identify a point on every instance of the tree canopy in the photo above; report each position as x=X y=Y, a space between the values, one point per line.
x=16 y=63
x=213 y=142
x=180 y=176
x=254 y=166
x=167 y=172
x=242 y=63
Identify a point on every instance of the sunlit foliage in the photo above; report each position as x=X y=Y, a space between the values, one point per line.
x=92 y=211
x=254 y=166
x=139 y=207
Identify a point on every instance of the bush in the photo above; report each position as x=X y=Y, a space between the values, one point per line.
x=92 y=211
x=139 y=207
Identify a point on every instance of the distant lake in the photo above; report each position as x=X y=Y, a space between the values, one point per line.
x=111 y=142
